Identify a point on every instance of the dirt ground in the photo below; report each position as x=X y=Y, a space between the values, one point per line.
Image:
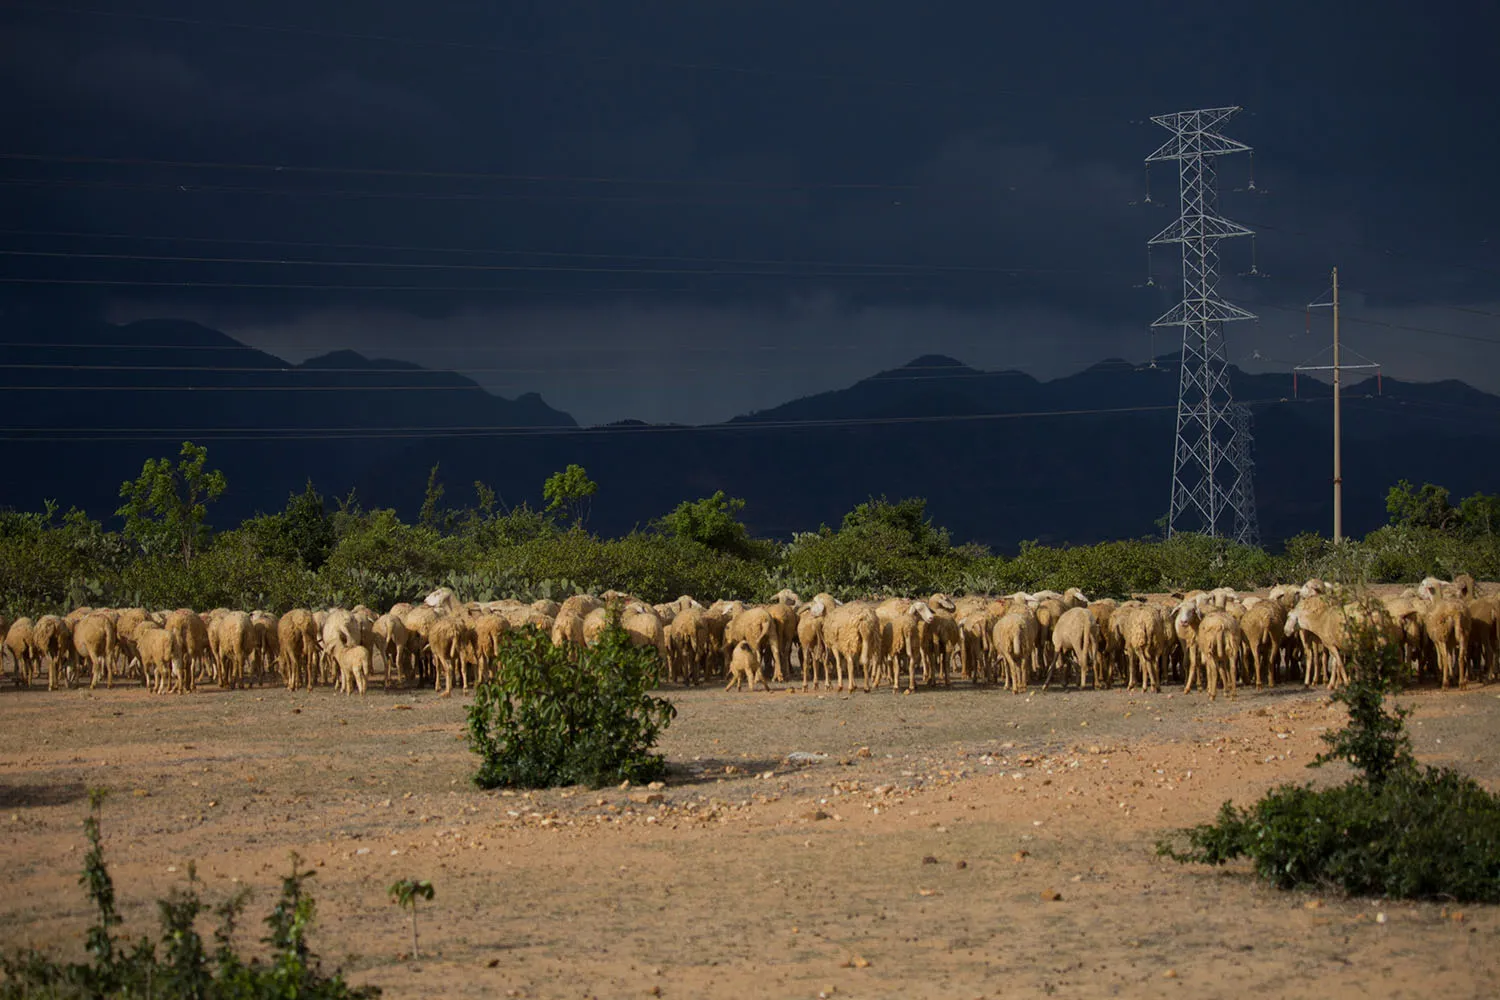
x=962 y=843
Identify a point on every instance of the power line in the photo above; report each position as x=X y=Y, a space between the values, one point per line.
x=843 y=272
x=480 y=251
x=431 y=196
x=455 y=174
x=737 y=426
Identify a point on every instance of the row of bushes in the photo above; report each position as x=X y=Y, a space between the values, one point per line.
x=312 y=555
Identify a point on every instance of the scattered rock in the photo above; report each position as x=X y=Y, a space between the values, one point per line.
x=815 y=815
x=863 y=752
x=928 y=892
x=1051 y=896
x=656 y=786
x=1169 y=974
x=1313 y=904
x=647 y=798
x=803 y=758
x=1020 y=856
x=960 y=865
x=929 y=860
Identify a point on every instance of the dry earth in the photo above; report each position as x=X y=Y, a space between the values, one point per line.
x=952 y=844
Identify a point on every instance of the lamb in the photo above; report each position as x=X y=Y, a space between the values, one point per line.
x=745 y=665
x=354 y=668
x=757 y=627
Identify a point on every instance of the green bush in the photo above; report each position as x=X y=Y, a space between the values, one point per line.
x=1396 y=830
x=559 y=716
x=1423 y=834
x=183 y=968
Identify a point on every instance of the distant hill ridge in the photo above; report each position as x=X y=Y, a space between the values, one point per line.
x=1073 y=459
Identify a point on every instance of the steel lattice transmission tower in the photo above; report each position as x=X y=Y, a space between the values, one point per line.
x=1212 y=479
x=1243 y=459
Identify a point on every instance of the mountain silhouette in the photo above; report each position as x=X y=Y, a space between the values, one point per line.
x=1001 y=456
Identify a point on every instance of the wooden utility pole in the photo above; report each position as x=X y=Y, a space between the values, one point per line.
x=1338 y=412
x=1338 y=425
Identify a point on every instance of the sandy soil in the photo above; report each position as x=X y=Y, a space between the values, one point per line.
x=962 y=843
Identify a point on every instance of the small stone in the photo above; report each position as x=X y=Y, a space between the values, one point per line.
x=1380 y=918
x=815 y=815
x=1020 y=856
x=1051 y=896
x=141 y=793
x=864 y=752
x=1313 y=904
x=928 y=892
x=1169 y=974
x=624 y=786
x=960 y=865
x=657 y=786
x=929 y=860
x=647 y=798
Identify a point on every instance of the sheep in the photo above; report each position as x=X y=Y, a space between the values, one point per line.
x=1076 y=634
x=1220 y=644
x=235 y=637
x=390 y=632
x=96 y=639
x=786 y=633
x=901 y=640
x=1448 y=624
x=297 y=638
x=815 y=655
x=20 y=640
x=451 y=640
x=760 y=629
x=192 y=640
x=1264 y=628
x=1014 y=637
x=488 y=628
x=52 y=638
x=688 y=641
x=852 y=634
x=745 y=664
x=354 y=668
x=162 y=658
x=1484 y=618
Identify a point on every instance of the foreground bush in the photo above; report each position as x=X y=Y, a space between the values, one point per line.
x=1396 y=830
x=565 y=716
x=1421 y=834
x=184 y=969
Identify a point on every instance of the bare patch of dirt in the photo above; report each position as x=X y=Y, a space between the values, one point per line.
x=963 y=843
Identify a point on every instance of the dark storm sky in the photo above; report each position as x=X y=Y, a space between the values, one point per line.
x=682 y=211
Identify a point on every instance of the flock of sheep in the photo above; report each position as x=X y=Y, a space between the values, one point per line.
x=1217 y=638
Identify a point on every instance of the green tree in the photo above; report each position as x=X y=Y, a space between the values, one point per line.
x=1424 y=508
x=568 y=494
x=711 y=522
x=166 y=506
x=1480 y=514
x=433 y=515
x=906 y=520
x=302 y=534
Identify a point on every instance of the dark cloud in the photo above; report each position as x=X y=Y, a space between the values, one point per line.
x=994 y=151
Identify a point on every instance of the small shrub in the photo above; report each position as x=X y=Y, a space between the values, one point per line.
x=185 y=969
x=1395 y=830
x=405 y=893
x=562 y=716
